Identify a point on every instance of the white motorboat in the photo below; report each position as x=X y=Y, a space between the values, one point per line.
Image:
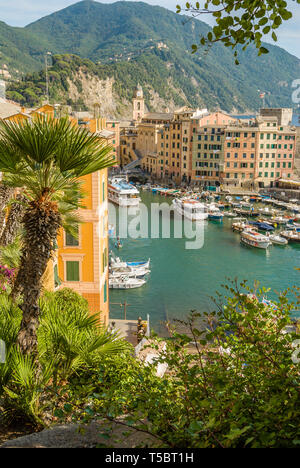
x=229 y=214
x=235 y=204
x=267 y=211
x=245 y=204
x=116 y=264
x=280 y=220
x=291 y=236
x=122 y=193
x=190 y=209
x=277 y=239
x=125 y=282
x=254 y=239
x=134 y=273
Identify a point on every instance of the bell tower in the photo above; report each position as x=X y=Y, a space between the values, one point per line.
x=138 y=104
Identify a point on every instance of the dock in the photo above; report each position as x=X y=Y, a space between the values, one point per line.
x=127 y=329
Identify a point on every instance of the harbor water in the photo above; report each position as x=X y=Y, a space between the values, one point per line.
x=182 y=280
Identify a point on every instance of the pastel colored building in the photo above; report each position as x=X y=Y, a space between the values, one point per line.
x=247 y=155
x=83 y=262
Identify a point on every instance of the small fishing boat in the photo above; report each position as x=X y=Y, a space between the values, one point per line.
x=247 y=205
x=247 y=212
x=229 y=214
x=235 y=205
x=291 y=236
x=239 y=224
x=124 y=282
x=267 y=211
x=214 y=214
x=280 y=220
x=254 y=239
x=277 y=239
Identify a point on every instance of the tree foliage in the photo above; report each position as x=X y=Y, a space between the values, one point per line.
x=240 y=22
x=231 y=383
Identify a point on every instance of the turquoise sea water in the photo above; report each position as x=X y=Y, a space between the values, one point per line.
x=182 y=280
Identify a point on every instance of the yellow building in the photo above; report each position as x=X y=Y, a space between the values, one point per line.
x=83 y=262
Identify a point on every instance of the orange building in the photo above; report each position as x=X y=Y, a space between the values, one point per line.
x=82 y=263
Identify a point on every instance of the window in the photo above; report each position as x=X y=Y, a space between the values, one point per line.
x=72 y=270
x=72 y=241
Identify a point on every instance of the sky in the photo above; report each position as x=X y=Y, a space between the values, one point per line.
x=23 y=12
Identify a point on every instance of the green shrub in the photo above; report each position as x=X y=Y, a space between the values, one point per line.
x=232 y=383
x=71 y=343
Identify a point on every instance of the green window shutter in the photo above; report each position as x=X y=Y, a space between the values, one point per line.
x=72 y=271
x=105 y=292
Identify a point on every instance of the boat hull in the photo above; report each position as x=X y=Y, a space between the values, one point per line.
x=125 y=285
x=124 y=203
x=252 y=243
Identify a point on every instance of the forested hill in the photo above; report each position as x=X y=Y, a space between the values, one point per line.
x=131 y=42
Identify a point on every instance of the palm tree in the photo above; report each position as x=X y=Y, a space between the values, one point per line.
x=13 y=222
x=45 y=157
x=5 y=194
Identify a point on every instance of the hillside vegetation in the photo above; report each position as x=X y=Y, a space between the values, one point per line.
x=131 y=42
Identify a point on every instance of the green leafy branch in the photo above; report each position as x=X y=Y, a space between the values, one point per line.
x=240 y=22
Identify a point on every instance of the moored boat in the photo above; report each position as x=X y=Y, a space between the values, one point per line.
x=131 y=273
x=277 y=239
x=230 y=214
x=262 y=225
x=116 y=264
x=125 y=282
x=190 y=209
x=254 y=239
x=291 y=236
x=122 y=193
x=239 y=224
